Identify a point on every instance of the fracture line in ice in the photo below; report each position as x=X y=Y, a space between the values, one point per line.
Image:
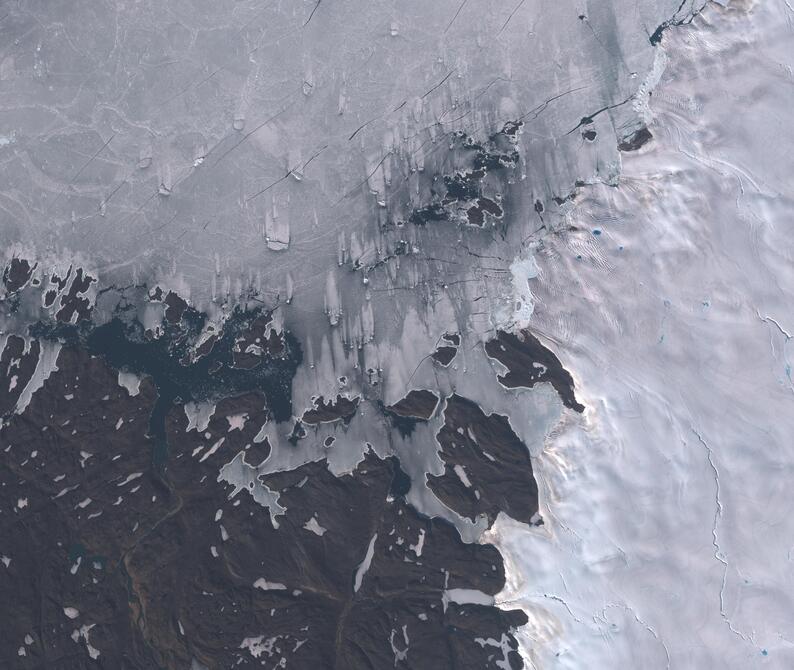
x=785 y=333
x=640 y=621
x=769 y=319
x=718 y=553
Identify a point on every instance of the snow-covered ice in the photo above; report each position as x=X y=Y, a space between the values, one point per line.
x=669 y=532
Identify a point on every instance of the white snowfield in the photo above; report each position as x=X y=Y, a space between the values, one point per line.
x=669 y=534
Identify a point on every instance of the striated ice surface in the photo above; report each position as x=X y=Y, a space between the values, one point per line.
x=221 y=147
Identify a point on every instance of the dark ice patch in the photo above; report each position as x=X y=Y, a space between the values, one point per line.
x=528 y=363
x=452 y=338
x=636 y=140
x=487 y=467
x=429 y=214
x=16 y=369
x=418 y=405
x=59 y=281
x=175 y=307
x=67 y=535
x=298 y=433
x=401 y=482
x=206 y=346
x=165 y=568
x=444 y=354
x=257 y=343
x=476 y=213
x=223 y=437
x=462 y=197
x=17 y=274
x=74 y=305
x=177 y=377
x=328 y=411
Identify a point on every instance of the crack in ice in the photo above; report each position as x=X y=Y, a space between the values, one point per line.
x=769 y=319
x=640 y=621
x=718 y=553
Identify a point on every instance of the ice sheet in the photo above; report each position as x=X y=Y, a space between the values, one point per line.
x=668 y=534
